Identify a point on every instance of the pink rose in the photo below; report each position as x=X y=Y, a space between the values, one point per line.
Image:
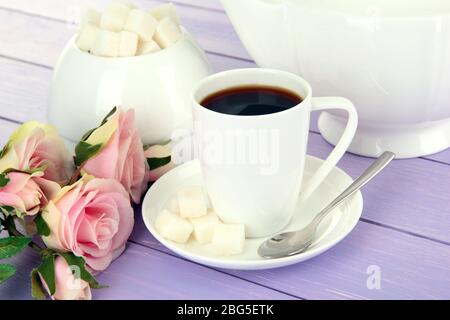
x=92 y=218
x=121 y=156
x=67 y=287
x=159 y=159
x=27 y=193
x=34 y=145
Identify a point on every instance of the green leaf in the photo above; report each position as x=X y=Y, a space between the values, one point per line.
x=6 y=272
x=37 y=290
x=4 y=150
x=8 y=210
x=155 y=163
x=3 y=179
x=73 y=260
x=113 y=110
x=84 y=151
x=11 y=246
x=47 y=271
x=42 y=226
x=88 y=134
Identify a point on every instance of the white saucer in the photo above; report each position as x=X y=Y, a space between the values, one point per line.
x=332 y=230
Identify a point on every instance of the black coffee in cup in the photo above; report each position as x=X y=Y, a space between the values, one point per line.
x=251 y=100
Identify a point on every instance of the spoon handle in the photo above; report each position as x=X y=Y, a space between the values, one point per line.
x=368 y=175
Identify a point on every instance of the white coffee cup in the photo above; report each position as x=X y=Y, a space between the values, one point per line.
x=253 y=165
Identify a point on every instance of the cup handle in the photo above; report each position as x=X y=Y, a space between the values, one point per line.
x=325 y=103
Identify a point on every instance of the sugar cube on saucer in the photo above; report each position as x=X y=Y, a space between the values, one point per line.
x=204 y=227
x=128 y=44
x=107 y=44
x=114 y=17
x=228 y=239
x=147 y=47
x=192 y=202
x=91 y=16
x=87 y=37
x=166 y=10
x=167 y=33
x=172 y=227
x=141 y=23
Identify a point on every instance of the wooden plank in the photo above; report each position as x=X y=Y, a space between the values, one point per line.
x=209 y=4
x=143 y=273
x=411 y=267
x=65 y=9
x=41 y=40
x=24 y=90
x=443 y=156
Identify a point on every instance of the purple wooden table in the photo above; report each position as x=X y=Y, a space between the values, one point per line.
x=403 y=235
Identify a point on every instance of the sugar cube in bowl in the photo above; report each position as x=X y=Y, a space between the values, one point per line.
x=204 y=227
x=167 y=33
x=166 y=10
x=141 y=23
x=91 y=16
x=147 y=47
x=128 y=44
x=114 y=17
x=192 y=202
x=228 y=239
x=87 y=37
x=107 y=44
x=173 y=227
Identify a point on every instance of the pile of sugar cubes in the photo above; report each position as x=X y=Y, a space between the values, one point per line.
x=122 y=30
x=188 y=215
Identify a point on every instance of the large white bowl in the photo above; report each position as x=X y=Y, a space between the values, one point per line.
x=158 y=86
x=390 y=57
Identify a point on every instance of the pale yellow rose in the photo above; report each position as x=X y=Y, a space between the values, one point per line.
x=35 y=145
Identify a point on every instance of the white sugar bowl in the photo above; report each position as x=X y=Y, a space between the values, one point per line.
x=157 y=85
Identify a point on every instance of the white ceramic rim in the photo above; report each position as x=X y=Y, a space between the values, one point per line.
x=356 y=201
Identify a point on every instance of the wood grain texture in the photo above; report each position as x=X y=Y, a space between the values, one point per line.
x=24 y=90
x=143 y=273
x=65 y=9
x=411 y=267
